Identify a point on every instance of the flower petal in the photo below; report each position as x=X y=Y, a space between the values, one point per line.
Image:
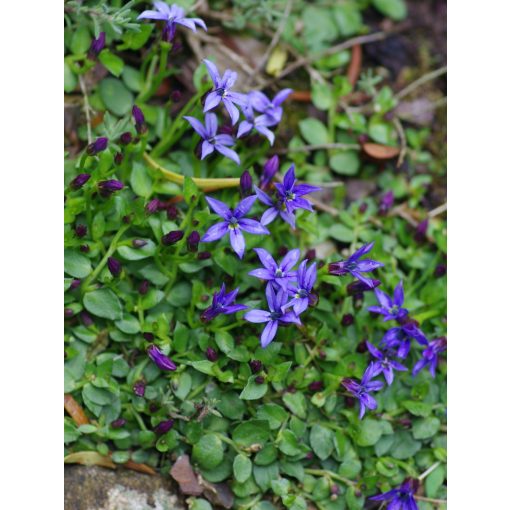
x=257 y=316
x=262 y=273
x=265 y=132
x=211 y=124
x=368 y=265
x=153 y=15
x=289 y=178
x=228 y=153
x=244 y=206
x=231 y=109
x=281 y=96
x=289 y=261
x=219 y=208
x=244 y=128
x=212 y=100
x=237 y=242
x=233 y=309
x=258 y=100
x=269 y=216
x=266 y=259
x=268 y=334
x=207 y=148
x=398 y=294
x=253 y=227
x=213 y=72
x=215 y=232
x=197 y=126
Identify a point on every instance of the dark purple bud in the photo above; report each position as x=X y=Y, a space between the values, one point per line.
x=246 y=184
x=255 y=365
x=68 y=313
x=309 y=455
x=282 y=251
x=172 y=212
x=126 y=219
x=334 y=490
x=84 y=248
x=138 y=115
x=119 y=158
x=192 y=241
x=118 y=423
x=97 y=45
x=310 y=254
x=114 y=266
x=347 y=319
x=421 y=231
x=79 y=181
x=148 y=336
x=143 y=288
x=138 y=243
x=75 y=284
x=211 y=354
x=176 y=96
x=259 y=379
x=204 y=255
x=106 y=188
x=226 y=129
x=80 y=230
x=176 y=47
x=358 y=287
x=126 y=138
x=363 y=207
x=162 y=361
x=163 y=427
x=386 y=202
x=313 y=299
x=139 y=388
x=440 y=270
x=172 y=237
x=153 y=206
x=97 y=146
x=316 y=386
x=349 y=401
x=154 y=407
x=86 y=319
x=269 y=170
x=363 y=139
x=362 y=347
x=389 y=116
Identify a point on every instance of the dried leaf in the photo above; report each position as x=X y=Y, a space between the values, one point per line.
x=276 y=61
x=75 y=410
x=301 y=96
x=141 y=468
x=355 y=64
x=378 y=151
x=89 y=459
x=218 y=493
x=183 y=474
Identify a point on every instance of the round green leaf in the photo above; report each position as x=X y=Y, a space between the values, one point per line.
x=116 y=97
x=130 y=253
x=208 y=452
x=242 y=467
x=103 y=303
x=345 y=163
x=253 y=390
x=395 y=9
x=251 y=432
x=314 y=131
x=369 y=432
x=76 y=264
x=322 y=441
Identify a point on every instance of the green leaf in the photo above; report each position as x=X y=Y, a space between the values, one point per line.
x=129 y=324
x=369 y=432
x=263 y=475
x=131 y=253
x=70 y=80
x=242 y=468
x=322 y=441
x=395 y=9
x=190 y=190
x=208 y=452
x=103 y=303
x=434 y=481
x=231 y=406
x=81 y=40
x=76 y=264
x=113 y=63
x=322 y=96
x=273 y=413
x=314 y=131
x=251 y=432
x=289 y=443
x=417 y=408
x=200 y=504
x=116 y=97
x=405 y=446
x=348 y=18
x=141 y=180
x=253 y=390
x=345 y=163
x=426 y=427
x=341 y=233
x=296 y=402
x=134 y=40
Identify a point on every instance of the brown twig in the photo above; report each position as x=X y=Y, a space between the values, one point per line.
x=437 y=211
x=86 y=107
x=420 y=81
x=403 y=141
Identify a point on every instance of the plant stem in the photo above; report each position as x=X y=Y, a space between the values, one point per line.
x=429 y=470
x=329 y=474
x=204 y=184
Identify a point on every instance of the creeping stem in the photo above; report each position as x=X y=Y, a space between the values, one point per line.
x=205 y=184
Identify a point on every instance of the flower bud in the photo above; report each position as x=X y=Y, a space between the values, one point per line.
x=421 y=231
x=97 y=146
x=143 y=288
x=97 y=45
x=75 y=284
x=172 y=237
x=79 y=181
x=203 y=255
x=80 y=230
x=347 y=319
x=84 y=248
x=176 y=96
x=139 y=388
x=268 y=172
x=245 y=183
x=114 y=266
x=172 y=212
x=106 y=188
x=192 y=241
x=386 y=203
x=255 y=365
x=259 y=379
x=139 y=120
x=359 y=287
x=163 y=427
x=160 y=360
x=68 y=313
x=363 y=207
x=118 y=423
x=362 y=347
x=119 y=158
x=126 y=138
x=153 y=206
x=148 y=336
x=310 y=254
x=86 y=319
x=440 y=270
x=211 y=354
x=316 y=386
x=138 y=243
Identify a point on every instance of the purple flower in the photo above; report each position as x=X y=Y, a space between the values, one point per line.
x=173 y=15
x=139 y=119
x=163 y=427
x=97 y=146
x=271 y=109
x=139 y=388
x=390 y=308
x=162 y=361
x=212 y=141
x=211 y=354
x=399 y=338
x=288 y=199
x=279 y=274
x=429 y=356
x=355 y=267
x=192 y=241
x=301 y=292
x=421 y=231
x=222 y=304
x=222 y=93
x=97 y=45
x=114 y=266
x=79 y=181
x=172 y=237
x=401 y=498
x=383 y=363
x=259 y=123
x=234 y=223
x=143 y=288
x=269 y=171
x=363 y=389
x=386 y=202
x=106 y=188
x=246 y=184
x=274 y=317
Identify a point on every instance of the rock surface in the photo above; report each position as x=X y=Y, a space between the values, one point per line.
x=95 y=488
